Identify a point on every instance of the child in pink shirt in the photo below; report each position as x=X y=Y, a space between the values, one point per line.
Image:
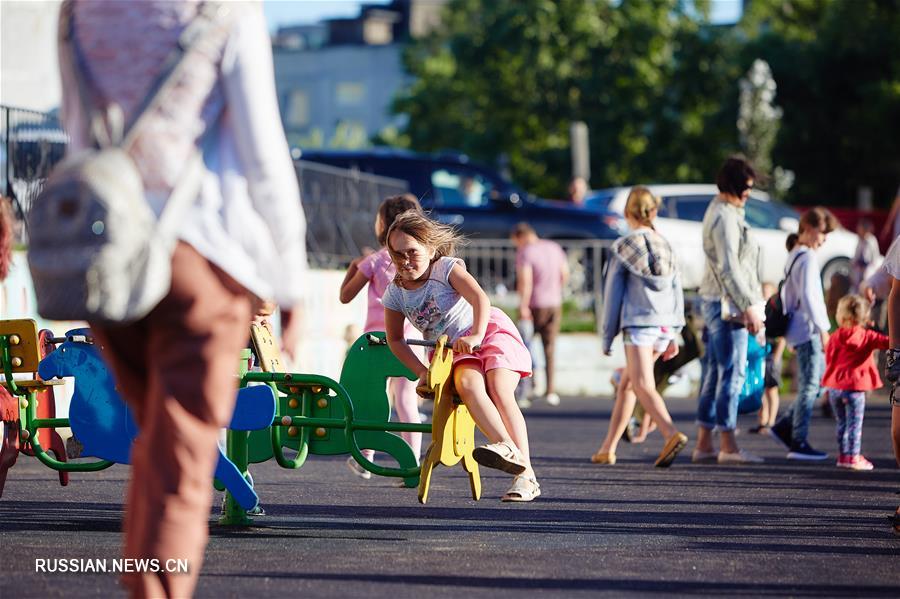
x=377 y=271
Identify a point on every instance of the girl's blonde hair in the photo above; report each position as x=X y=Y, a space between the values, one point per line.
x=852 y=308
x=641 y=205
x=443 y=239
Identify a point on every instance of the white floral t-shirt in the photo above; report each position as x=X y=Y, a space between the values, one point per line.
x=435 y=308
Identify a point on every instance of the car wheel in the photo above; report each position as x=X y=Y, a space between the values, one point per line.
x=835 y=267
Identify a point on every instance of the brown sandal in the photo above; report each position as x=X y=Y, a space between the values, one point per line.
x=670 y=451
x=603 y=457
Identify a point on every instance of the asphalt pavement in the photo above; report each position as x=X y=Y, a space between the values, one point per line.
x=777 y=529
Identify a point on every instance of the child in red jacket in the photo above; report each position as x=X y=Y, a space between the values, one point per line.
x=850 y=372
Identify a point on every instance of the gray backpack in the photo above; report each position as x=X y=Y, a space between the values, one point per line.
x=97 y=251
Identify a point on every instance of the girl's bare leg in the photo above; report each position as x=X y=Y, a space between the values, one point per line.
x=501 y=387
x=763 y=415
x=621 y=414
x=472 y=388
x=647 y=427
x=773 y=399
x=640 y=362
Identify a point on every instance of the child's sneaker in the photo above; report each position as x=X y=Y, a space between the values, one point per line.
x=782 y=431
x=358 y=470
x=843 y=461
x=858 y=462
x=805 y=452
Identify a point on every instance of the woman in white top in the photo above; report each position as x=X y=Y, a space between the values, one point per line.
x=243 y=238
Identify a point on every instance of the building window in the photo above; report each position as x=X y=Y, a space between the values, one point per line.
x=350 y=93
x=297 y=113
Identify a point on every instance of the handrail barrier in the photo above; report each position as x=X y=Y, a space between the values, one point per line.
x=493 y=264
x=340 y=207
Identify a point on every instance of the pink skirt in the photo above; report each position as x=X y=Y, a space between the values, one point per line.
x=502 y=347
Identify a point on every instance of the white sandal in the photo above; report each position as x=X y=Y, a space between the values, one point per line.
x=502 y=456
x=523 y=489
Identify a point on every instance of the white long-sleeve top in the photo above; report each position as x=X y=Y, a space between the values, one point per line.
x=248 y=219
x=803 y=297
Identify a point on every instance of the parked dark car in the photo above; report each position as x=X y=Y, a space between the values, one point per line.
x=471 y=196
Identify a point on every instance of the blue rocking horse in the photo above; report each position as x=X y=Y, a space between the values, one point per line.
x=104 y=424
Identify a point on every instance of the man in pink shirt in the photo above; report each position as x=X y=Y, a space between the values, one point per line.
x=541 y=272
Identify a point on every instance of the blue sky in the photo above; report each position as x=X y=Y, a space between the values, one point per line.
x=293 y=12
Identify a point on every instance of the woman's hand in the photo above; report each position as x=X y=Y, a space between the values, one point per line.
x=671 y=351
x=753 y=319
x=467 y=344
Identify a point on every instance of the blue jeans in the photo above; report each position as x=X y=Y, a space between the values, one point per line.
x=810 y=368
x=724 y=369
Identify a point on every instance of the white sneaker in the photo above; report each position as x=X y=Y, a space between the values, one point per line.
x=740 y=457
x=358 y=470
x=552 y=399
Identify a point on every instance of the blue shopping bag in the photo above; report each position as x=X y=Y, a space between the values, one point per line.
x=750 y=399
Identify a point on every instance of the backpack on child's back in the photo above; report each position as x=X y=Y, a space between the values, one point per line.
x=777 y=320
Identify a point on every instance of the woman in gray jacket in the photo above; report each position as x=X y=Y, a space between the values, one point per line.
x=643 y=300
x=732 y=308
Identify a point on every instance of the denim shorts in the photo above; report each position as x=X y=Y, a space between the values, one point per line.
x=656 y=337
x=773 y=372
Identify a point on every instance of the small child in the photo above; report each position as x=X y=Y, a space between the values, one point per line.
x=768 y=413
x=435 y=292
x=849 y=373
x=376 y=270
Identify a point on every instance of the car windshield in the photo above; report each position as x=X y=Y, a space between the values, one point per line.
x=599 y=201
x=691 y=207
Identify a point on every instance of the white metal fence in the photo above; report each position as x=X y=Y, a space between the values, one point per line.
x=493 y=264
x=340 y=207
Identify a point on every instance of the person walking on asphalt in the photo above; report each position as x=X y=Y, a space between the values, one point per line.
x=541 y=274
x=241 y=239
x=643 y=299
x=732 y=307
x=807 y=332
x=892 y=367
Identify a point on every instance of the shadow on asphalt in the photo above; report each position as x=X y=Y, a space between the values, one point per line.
x=591 y=584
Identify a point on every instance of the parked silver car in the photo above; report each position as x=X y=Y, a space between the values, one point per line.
x=680 y=221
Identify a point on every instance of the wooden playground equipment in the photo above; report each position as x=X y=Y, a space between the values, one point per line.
x=306 y=413
x=453 y=432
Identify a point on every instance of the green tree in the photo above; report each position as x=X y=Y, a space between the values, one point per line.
x=837 y=65
x=509 y=77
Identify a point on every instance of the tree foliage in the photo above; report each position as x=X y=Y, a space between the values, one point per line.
x=658 y=87
x=837 y=65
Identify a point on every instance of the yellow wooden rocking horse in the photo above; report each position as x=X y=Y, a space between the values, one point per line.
x=453 y=429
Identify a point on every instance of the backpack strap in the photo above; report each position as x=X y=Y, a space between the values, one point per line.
x=787 y=276
x=791 y=267
x=106 y=125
